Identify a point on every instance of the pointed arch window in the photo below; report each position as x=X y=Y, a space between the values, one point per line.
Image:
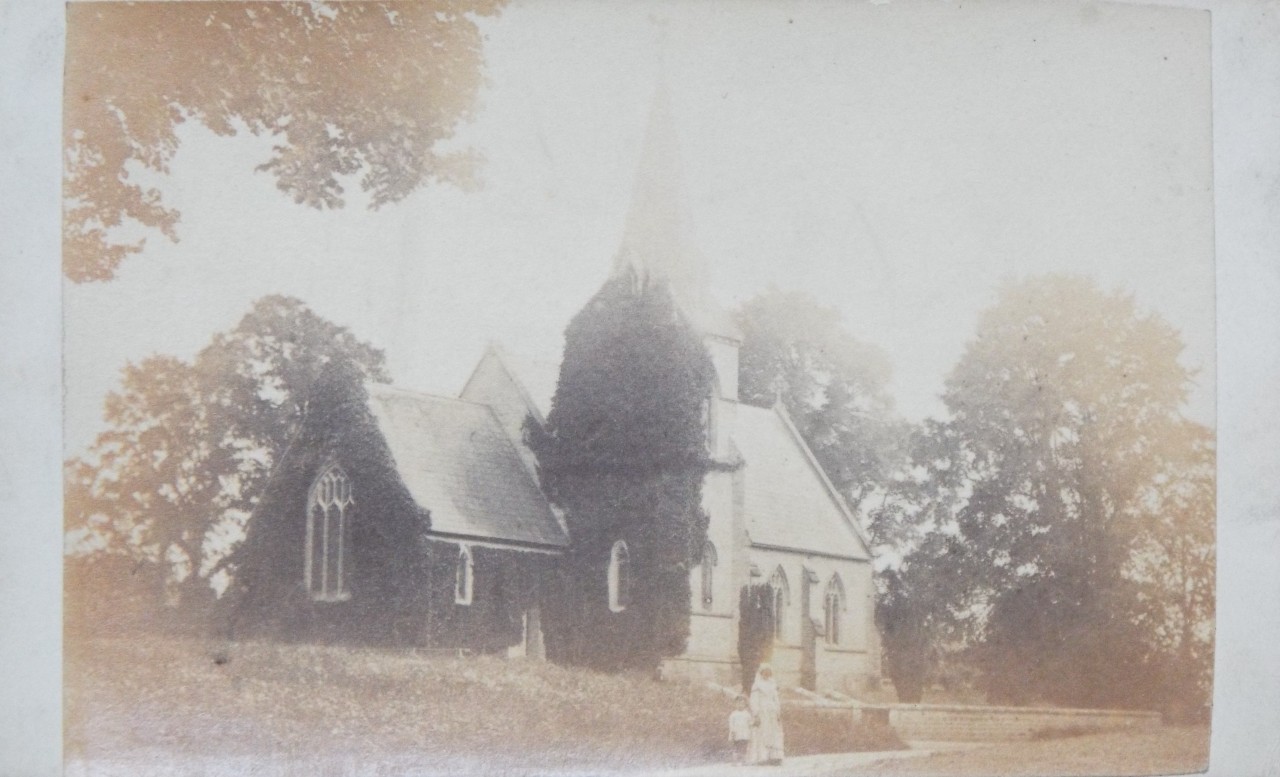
x=330 y=508
x=619 y=577
x=463 y=576
x=707 y=566
x=781 y=600
x=833 y=607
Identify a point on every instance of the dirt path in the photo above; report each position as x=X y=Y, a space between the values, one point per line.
x=1169 y=750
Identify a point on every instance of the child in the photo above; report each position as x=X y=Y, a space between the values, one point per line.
x=740 y=729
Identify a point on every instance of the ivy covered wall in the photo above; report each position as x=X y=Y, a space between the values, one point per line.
x=505 y=583
x=624 y=454
x=400 y=583
x=385 y=560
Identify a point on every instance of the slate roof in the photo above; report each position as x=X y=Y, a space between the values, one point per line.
x=457 y=462
x=787 y=502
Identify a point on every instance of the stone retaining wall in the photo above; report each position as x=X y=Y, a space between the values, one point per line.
x=973 y=723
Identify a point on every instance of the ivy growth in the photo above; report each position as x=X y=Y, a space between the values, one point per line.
x=388 y=562
x=624 y=454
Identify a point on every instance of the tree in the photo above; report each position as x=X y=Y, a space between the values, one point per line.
x=832 y=384
x=624 y=453
x=189 y=445
x=1061 y=409
x=347 y=88
x=1174 y=564
x=261 y=373
x=919 y=610
x=152 y=486
x=903 y=619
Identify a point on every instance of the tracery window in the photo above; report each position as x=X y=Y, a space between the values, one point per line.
x=619 y=577
x=708 y=568
x=330 y=507
x=463 y=576
x=781 y=599
x=833 y=606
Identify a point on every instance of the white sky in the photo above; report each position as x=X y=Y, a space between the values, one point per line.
x=896 y=161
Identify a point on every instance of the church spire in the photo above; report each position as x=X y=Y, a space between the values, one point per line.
x=656 y=243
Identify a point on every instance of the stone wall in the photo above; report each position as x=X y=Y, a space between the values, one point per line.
x=973 y=723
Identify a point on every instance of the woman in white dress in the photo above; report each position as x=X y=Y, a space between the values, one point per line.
x=766 y=718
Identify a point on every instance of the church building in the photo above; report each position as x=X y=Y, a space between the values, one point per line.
x=403 y=518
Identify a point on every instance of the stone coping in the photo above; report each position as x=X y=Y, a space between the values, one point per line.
x=985 y=708
x=974 y=709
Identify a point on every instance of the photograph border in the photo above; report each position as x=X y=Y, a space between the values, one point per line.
x=1246 y=97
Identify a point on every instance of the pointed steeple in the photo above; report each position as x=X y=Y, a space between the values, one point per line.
x=656 y=242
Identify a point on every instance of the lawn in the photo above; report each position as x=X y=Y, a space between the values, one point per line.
x=182 y=702
x=1168 y=750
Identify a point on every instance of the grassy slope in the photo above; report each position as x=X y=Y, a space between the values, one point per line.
x=197 y=699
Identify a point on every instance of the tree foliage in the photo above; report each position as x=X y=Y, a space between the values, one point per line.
x=150 y=487
x=833 y=385
x=624 y=453
x=1174 y=565
x=261 y=373
x=346 y=88
x=907 y=643
x=1036 y=500
x=918 y=613
x=189 y=444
